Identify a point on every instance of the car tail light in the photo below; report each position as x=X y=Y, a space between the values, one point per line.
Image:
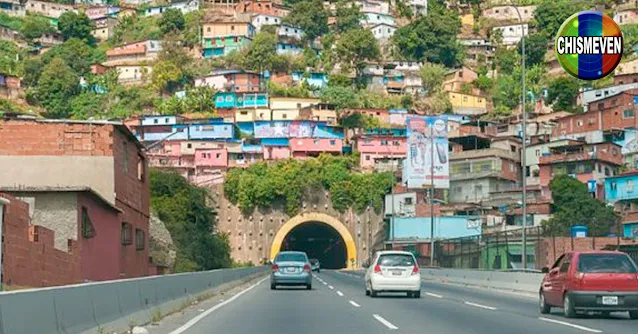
x=306 y=268
x=275 y=267
x=377 y=269
x=580 y=276
x=415 y=270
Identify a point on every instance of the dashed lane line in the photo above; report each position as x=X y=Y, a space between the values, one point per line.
x=354 y=304
x=481 y=306
x=385 y=322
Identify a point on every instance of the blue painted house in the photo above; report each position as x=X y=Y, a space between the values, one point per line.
x=622 y=190
x=314 y=79
x=211 y=131
x=231 y=100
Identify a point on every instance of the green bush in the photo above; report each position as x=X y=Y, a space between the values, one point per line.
x=286 y=182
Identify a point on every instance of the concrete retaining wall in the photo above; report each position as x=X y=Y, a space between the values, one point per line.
x=111 y=306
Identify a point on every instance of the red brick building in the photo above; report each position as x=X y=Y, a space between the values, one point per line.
x=73 y=172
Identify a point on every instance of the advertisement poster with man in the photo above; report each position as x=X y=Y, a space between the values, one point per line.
x=427 y=146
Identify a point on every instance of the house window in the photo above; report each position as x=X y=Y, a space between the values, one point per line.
x=601 y=106
x=284 y=116
x=613 y=186
x=538 y=153
x=189 y=145
x=333 y=142
x=125 y=157
x=141 y=168
x=407 y=201
x=367 y=158
x=629 y=113
x=155 y=121
x=87 y=226
x=208 y=29
x=232 y=27
x=464 y=98
x=218 y=155
x=126 y=234
x=630 y=186
x=139 y=239
x=607 y=171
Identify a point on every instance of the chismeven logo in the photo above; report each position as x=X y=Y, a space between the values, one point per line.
x=589 y=45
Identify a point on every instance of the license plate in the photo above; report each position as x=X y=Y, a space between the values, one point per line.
x=610 y=300
x=397 y=272
x=291 y=269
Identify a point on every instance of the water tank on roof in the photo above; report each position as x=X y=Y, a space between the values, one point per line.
x=579 y=231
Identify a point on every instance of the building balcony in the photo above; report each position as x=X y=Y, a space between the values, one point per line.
x=485 y=153
x=582 y=156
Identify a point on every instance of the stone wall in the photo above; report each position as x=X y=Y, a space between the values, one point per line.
x=251 y=235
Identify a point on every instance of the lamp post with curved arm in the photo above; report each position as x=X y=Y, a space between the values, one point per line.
x=523 y=139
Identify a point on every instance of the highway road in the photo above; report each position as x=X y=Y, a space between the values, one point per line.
x=337 y=304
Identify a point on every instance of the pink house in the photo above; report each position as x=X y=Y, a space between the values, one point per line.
x=380 y=147
x=276 y=152
x=310 y=147
x=217 y=157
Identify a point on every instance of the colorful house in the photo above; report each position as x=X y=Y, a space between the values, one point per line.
x=237 y=81
x=221 y=35
x=184 y=7
x=468 y=104
x=622 y=191
x=243 y=100
x=382 y=149
x=314 y=79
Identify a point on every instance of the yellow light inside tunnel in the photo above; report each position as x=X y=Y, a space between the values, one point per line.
x=351 y=248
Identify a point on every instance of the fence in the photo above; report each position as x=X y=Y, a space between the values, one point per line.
x=111 y=306
x=504 y=250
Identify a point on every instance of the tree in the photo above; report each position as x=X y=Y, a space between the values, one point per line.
x=340 y=97
x=432 y=76
x=562 y=93
x=79 y=26
x=77 y=54
x=33 y=27
x=574 y=205
x=172 y=20
x=191 y=222
x=535 y=49
x=431 y=38
x=355 y=48
x=261 y=53
x=166 y=76
x=348 y=16
x=506 y=60
x=311 y=17
x=86 y=105
x=57 y=85
x=339 y=80
x=550 y=14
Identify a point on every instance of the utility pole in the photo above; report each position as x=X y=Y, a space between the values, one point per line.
x=432 y=195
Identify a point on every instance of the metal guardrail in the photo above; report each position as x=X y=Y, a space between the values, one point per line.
x=111 y=306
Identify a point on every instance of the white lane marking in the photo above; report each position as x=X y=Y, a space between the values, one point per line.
x=201 y=316
x=354 y=304
x=324 y=283
x=583 y=328
x=385 y=322
x=330 y=287
x=480 y=306
x=340 y=293
x=433 y=295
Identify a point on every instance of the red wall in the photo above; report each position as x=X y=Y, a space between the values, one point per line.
x=28 y=262
x=99 y=256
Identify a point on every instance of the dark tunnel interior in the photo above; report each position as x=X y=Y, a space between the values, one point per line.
x=320 y=241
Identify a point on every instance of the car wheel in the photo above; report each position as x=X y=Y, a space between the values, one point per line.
x=308 y=286
x=273 y=287
x=416 y=294
x=633 y=315
x=373 y=292
x=542 y=303
x=568 y=307
x=318 y=270
x=605 y=314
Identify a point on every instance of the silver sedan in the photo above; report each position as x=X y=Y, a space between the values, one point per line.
x=291 y=268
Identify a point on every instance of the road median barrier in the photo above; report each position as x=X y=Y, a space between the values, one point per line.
x=112 y=306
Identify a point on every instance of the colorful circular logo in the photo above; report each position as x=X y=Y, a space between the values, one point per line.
x=589 y=45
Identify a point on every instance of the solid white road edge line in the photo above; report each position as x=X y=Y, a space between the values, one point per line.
x=201 y=316
x=481 y=306
x=385 y=322
x=354 y=304
x=340 y=293
x=433 y=295
x=583 y=328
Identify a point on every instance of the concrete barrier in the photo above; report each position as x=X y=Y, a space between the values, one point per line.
x=499 y=280
x=113 y=306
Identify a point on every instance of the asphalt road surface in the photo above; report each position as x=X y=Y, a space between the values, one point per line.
x=337 y=305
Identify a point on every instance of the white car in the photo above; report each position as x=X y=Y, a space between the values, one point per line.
x=393 y=271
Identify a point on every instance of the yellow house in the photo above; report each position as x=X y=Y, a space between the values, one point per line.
x=467 y=104
x=291 y=103
x=245 y=115
x=467 y=20
x=285 y=114
x=131 y=75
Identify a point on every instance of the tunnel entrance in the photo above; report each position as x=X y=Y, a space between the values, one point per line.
x=320 y=241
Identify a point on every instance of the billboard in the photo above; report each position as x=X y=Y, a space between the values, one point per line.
x=427 y=139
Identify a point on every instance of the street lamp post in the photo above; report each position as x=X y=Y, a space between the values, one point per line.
x=432 y=196
x=523 y=139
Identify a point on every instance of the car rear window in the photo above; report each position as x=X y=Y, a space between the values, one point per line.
x=396 y=260
x=605 y=263
x=287 y=257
